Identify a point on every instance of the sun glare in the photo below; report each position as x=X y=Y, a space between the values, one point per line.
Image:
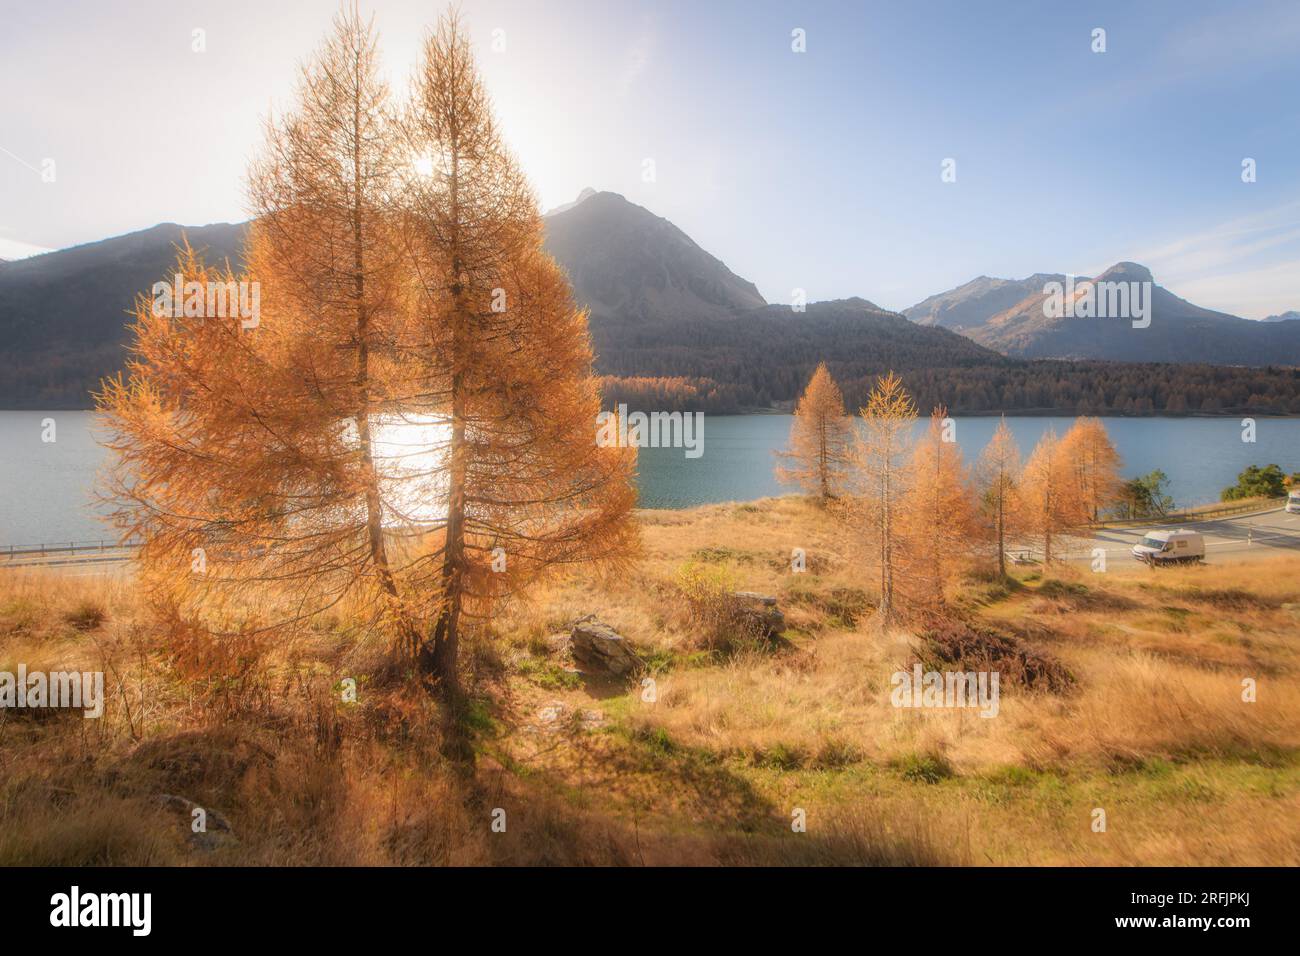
x=409 y=454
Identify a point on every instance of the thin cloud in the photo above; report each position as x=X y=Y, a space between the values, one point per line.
x=638 y=56
x=1246 y=265
x=1252 y=293
x=1241 y=35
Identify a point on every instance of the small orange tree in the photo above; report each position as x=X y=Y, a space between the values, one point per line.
x=937 y=515
x=1050 y=492
x=1096 y=464
x=882 y=456
x=998 y=475
x=821 y=439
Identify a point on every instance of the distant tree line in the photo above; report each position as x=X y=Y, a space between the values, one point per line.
x=764 y=358
x=1103 y=388
x=676 y=394
x=1023 y=387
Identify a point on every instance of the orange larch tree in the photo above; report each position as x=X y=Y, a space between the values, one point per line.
x=821 y=440
x=998 y=477
x=937 y=514
x=1096 y=464
x=882 y=457
x=1049 y=491
x=503 y=358
x=412 y=423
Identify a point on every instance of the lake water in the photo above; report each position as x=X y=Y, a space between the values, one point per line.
x=45 y=487
x=1201 y=456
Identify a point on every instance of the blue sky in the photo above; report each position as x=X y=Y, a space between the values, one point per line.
x=817 y=170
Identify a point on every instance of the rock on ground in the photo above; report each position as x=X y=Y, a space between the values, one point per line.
x=760 y=612
x=217 y=831
x=598 y=647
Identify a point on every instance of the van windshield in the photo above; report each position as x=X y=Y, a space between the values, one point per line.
x=1149 y=542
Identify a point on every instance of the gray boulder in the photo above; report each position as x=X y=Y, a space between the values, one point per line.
x=598 y=647
x=759 y=613
x=216 y=831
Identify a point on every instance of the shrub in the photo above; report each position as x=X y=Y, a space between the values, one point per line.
x=954 y=644
x=227 y=672
x=779 y=757
x=19 y=616
x=1257 y=482
x=843 y=607
x=86 y=616
x=836 y=754
x=715 y=617
x=923 y=767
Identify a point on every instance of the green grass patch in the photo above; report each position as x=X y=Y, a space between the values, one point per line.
x=923 y=767
x=549 y=675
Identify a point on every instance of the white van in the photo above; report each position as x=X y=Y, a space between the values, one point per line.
x=1293 y=502
x=1170 y=547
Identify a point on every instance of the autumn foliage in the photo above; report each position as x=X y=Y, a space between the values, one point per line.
x=925 y=518
x=410 y=427
x=938 y=514
x=1049 y=492
x=1096 y=464
x=880 y=480
x=998 y=476
x=821 y=439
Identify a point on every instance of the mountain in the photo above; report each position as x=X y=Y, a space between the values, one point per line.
x=664 y=309
x=969 y=305
x=629 y=265
x=765 y=356
x=565 y=207
x=661 y=308
x=1282 y=317
x=63 y=314
x=1179 y=331
x=672 y=328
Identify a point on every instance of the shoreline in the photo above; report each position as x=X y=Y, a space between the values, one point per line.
x=1017 y=413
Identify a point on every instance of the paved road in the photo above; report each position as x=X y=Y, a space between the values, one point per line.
x=1246 y=538
x=112 y=560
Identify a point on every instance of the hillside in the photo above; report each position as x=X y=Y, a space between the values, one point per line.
x=63 y=315
x=973 y=303
x=673 y=327
x=629 y=265
x=765 y=356
x=1179 y=332
x=708 y=768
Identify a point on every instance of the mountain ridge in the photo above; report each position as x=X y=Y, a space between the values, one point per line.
x=1179 y=330
x=669 y=323
x=628 y=264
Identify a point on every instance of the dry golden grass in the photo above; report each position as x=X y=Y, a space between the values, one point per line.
x=712 y=771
